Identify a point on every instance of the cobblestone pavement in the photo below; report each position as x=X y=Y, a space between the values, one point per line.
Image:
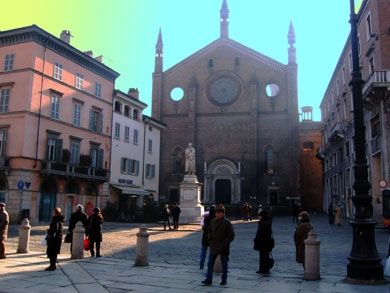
x=182 y=247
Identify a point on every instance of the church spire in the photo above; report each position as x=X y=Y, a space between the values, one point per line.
x=291 y=40
x=224 y=19
x=158 y=66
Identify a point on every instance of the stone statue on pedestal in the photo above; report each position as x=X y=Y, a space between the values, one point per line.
x=190 y=168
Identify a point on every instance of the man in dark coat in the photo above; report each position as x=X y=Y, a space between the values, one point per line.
x=220 y=235
x=54 y=238
x=77 y=216
x=205 y=237
x=94 y=231
x=4 y=221
x=165 y=214
x=263 y=242
x=175 y=215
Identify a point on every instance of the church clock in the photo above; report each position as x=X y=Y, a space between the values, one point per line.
x=223 y=90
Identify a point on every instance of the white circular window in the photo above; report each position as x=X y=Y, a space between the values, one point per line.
x=177 y=94
x=272 y=90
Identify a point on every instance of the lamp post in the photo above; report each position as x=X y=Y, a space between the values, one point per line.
x=365 y=262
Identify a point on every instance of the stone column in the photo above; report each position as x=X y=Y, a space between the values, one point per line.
x=191 y=209
x=78 y=241
x=312 y=257
x=24 y=237
x=142 y=248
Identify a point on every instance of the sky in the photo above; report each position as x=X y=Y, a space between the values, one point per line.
x=125 y=33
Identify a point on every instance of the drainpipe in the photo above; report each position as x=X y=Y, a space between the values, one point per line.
x=40 y=107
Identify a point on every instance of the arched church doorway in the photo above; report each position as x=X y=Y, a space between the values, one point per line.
x=48 y=198
x=223 y=191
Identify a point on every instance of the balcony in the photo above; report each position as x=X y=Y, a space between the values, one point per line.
x=75 y=171
x=336 y=133
x=4 y=163
x=378 y=81
x=376 y=145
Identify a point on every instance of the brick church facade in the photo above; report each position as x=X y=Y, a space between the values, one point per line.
x=239 y=108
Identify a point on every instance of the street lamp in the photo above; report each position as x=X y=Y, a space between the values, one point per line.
x=365 y=262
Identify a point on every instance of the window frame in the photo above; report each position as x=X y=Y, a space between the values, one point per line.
x=75 y=160
x=117 y=130
x=98 y=89
x=368 y=25
x=127 y=134
x=9 y=62
x=77 y=113
x=57 y=71
x=4 y=99
x=79 y=80
x=55 y=106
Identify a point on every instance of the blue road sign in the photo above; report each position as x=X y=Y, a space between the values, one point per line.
x=20 y=185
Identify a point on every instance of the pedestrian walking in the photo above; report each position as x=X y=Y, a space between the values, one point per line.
x=294 y=211
x=175 y=216
x=165 y=214
x=331 y=214
x=268 y=209
x=338 y=215
x=220 y=235
x=77 y=216
x=264 y=243
x=4 y=221
x=300 y=236
x=94 y=232
x=54 y=238
x=249 y=211
x=205 y=239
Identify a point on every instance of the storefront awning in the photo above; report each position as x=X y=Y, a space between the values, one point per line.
x=131 y=190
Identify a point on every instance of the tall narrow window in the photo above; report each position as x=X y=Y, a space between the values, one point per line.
x=9 y=62
x=371 y=67
x=96 y=120
x=3 y=141
x=54 y=148
x=117 y=131
x=98 y=90
x=57 y=74
x=135 y=138
x=337 y=88
x=117 y=107
x=269 y=161
x=350 y=61
x=77 y=114
x=79 y=81
x=368 y=26
x=75 y=152
x=343 y=74
x=55 y=107
x=96 y=156
x=126 y=111
x=127 y=133
x=4 y=98
x=135 y=114
x=150 y=146
x=150 y=171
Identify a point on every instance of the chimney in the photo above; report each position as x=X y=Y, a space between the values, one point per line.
x=89 y=53
x=133 y=92
x=99 y=58
x=65 y=36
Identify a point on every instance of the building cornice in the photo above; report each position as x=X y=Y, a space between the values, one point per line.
x=36 y=34
x=129 y=99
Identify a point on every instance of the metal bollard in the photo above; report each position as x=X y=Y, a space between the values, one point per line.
x=218 y=265
x=24 y=236
x=78 y=242
x=312 y=257
x=142 y=248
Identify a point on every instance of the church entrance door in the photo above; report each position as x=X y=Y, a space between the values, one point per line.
x=223 y=191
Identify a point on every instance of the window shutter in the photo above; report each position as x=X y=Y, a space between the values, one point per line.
x=100 y=158
x=4 y=145
x=101 y=122
x=123 y=165
x=153 y=170
x=130 y=164
x=59 y=143
x=136 y=167
x=91 y=119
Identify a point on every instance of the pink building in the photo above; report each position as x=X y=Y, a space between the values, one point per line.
x=55 y=124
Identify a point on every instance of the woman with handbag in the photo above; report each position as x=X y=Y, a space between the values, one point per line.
x=264 y=243
x=94 y=231
x=54 y=238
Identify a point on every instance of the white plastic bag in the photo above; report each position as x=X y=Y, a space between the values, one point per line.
x=44 y=241
x=387 y=267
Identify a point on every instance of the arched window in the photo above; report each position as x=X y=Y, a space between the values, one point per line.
x=118 y=107
x=126 y=111
x=269 y=157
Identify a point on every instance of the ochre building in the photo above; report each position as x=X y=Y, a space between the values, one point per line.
x=239 y=109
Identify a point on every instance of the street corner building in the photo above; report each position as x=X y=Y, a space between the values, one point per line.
x=55 y=124
x=239 y=108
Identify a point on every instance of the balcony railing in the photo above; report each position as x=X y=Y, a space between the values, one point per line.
x=379 y=78
x=68 y=170
x=376 y=144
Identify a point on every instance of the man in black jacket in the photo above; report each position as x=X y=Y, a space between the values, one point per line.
x=77 y=216
x=220 y=234
x=175 y=215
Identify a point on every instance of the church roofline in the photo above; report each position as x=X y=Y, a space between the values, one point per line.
x=255 y=54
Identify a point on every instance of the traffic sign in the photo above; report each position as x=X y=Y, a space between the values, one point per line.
x=20 y=185
x=27 y=184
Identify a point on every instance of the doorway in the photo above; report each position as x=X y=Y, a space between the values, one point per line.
x=223 y=191
x=48 y=200
x=273 y=197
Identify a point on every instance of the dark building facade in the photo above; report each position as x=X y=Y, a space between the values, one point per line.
x=239 y=108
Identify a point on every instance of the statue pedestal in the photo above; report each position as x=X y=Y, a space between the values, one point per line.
x=191 y=209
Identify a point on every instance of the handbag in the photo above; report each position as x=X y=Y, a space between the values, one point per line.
x=387 y=267
x=86 y=244
x=271 y=261
x=68 y=237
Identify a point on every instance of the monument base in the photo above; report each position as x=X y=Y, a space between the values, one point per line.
x=191 y=209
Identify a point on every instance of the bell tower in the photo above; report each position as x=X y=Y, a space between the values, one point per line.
x=224 y=19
